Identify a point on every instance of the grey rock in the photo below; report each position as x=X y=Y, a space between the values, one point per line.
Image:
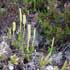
x=49 y=67
x=57 y=59
x=30 y=66
x=5 y=51
x=67 y=52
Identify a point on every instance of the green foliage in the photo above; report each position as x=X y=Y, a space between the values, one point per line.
x=14 y=59
x=28 y=54
x=14 y=1
x=36 y=5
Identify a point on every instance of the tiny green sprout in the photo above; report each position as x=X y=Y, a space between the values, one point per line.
x=20 y=17
x=14 y=59
x=24 y=20
x=14 y=27
x=29 y=35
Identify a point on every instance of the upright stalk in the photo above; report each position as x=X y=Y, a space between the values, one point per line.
x=29 y=36
x=20 y=17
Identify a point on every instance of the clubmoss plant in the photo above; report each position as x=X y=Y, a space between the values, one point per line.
x=45 y=60
x=20 y=42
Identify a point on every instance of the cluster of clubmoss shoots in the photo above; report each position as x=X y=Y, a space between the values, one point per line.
x=20 y=41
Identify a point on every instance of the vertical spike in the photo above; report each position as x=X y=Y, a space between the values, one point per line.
x=20 y=17
x=34 y=34
x=24 y=20
x=29 y=35
x=14 y=27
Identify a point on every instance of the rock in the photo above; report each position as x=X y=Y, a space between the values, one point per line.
x=57 y=59
x=5 y=51
x=30 y=66
x=1 y=66
x=67 y=52
x=11 y=66
x=35 y=59
x=49 y=67
x=19 y=67
x=5 y=67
